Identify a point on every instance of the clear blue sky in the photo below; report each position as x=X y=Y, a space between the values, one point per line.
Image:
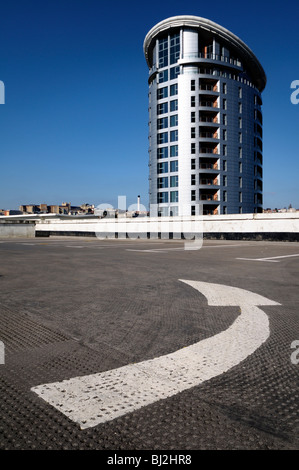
x=74 y=124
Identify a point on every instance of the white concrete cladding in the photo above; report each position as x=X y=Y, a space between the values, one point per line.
x=190 y=43
x=205 y=119
x=184 y=107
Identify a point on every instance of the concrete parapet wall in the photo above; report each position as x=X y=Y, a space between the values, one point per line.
x=240 y=226
x=17 y=230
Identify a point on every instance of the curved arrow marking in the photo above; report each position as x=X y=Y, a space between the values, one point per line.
x=97 y=398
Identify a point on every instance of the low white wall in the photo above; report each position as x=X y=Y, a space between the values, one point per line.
x=253 y=223
x=284 y=223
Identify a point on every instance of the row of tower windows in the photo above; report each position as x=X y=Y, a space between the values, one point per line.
x=162 y=137
x=169 y=47
x=163 y=182
x=202 y=179
x=165 y=137
x=173 y=73
x=163 y=92
x=162 y=108
x=209 y=73
x=162 y=123
x=164 y=197
x=173 y=150
x=212 y=196
x=162 y=167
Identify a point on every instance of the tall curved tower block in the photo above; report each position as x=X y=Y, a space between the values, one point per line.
x=205 y=120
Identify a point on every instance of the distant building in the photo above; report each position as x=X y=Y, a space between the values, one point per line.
x=205 y=119
x=64 y=208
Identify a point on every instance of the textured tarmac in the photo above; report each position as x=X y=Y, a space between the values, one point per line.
x=72 y=307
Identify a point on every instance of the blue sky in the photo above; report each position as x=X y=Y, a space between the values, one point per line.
x=74 y=124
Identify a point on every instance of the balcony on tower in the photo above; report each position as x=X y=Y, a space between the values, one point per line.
x=207 y=196
x=210 y=209
x=210 y=165
x=210 y=200
x=207 y=179
x=208 y=117
x=208 y=133
x=208 y=148
x=209 y=86
x=208 y=101
x=259 y=158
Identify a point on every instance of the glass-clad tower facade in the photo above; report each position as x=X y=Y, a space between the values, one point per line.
x=205 y=119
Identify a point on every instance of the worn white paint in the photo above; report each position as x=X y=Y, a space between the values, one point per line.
x=97 y=398
x=272 y=259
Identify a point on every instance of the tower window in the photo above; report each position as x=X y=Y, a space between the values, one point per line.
x=162 y=197
x=174 y=181
x=162 y=152
x=174 y=48
x=174 y=150
x=174 y=166
x=174 y=72
x=163 y=76
x=163 y=52
x=162 y=138
x=174 y=89
x=162 y=167
x=162 y=93
x=162 y=108
x=162 y=123
x=174 y=120
x=162 y=182
x=173 y=105
x=174 y=196
x=174 y=136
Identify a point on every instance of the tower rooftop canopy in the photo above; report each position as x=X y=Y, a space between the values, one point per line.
x=208 y=29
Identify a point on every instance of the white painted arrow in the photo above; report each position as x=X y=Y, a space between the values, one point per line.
x=97 y=398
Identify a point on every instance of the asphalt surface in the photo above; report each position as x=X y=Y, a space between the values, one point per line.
x=72 y=307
